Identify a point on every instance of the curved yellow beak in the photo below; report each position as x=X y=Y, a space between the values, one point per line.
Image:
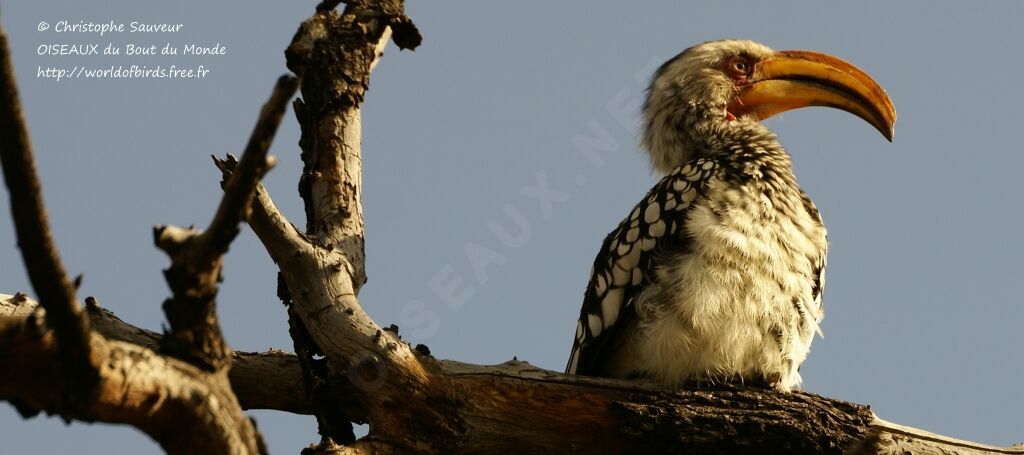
x=794 y=79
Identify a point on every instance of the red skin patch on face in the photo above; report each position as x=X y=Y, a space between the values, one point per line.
x=735 y=105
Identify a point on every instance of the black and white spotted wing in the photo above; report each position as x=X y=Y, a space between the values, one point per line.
x=624 y=264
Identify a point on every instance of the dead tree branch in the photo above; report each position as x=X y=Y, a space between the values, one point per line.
x=136 y=386
x=330 y=186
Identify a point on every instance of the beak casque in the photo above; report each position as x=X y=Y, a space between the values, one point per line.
x=794 y=79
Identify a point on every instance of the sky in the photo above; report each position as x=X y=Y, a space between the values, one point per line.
x=923 y=306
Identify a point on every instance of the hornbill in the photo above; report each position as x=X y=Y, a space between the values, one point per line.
x=717 y=274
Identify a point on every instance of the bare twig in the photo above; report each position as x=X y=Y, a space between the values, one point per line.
x=45 y=270
x=265 y=218
x=240 y=188
x=279 y=236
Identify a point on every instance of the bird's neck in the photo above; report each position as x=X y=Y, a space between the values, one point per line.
x=701 y=131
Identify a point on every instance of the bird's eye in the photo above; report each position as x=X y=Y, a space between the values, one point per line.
x=739 y=67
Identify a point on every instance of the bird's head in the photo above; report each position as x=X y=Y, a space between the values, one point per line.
x=722 y=89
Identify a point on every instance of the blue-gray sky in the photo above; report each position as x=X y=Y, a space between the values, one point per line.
x=923 y=301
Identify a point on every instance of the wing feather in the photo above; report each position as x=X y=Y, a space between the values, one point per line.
x=624 y=264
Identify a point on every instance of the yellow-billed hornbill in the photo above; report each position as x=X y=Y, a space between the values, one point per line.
x=717 y=274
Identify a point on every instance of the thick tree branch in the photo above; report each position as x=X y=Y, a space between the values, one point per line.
x=261 y=380
x=334 y=54
x=517 y=405
x=45 y=270
x=155 y=394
